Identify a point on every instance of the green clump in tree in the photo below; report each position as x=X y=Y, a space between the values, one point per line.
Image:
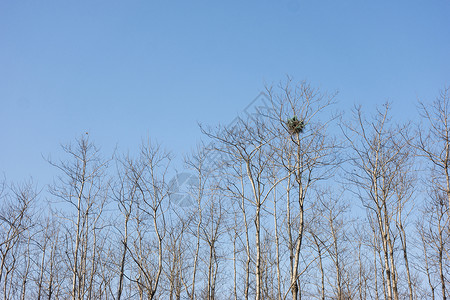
x=295 y=125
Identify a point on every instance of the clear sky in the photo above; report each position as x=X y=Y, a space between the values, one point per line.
x=124 y=70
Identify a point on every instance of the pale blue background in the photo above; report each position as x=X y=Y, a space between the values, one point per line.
x=124 y=70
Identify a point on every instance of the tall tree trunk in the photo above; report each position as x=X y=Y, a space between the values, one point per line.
x=123 y=258
x=258 y=252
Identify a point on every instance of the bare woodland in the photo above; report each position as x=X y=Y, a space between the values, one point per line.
x=297 y=201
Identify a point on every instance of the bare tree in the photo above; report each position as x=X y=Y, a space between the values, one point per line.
x=146 y=250
x=125 y=193
x=197 y=163
x=16 y=223
x=245 y=147
x=364 y=265
x=48 y=273
x=404 y=190
x=380 y=154
x=213 y=229
x=333 y=211
x=434 y=231
x=304 y=150
x=241 y=227
x=433 y=144
x=83 y=192
x=434 y=140
x=174 y=255
x=427 y=267
x=321 y=248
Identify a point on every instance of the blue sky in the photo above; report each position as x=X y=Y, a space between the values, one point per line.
x=124 y=70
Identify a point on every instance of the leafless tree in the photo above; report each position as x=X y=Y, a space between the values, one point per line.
x=434 y=231
x=150 y=227
x=213 y=229
x=83 y=192
x=380 y=154
x=197 y=163
x=433 y=140
x=245 y=147
x=404 y=194
x=305 y=151
x=125 y=193
x=16 y=221
x=433 y=144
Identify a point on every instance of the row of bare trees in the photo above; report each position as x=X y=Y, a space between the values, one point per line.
x=293 y=202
